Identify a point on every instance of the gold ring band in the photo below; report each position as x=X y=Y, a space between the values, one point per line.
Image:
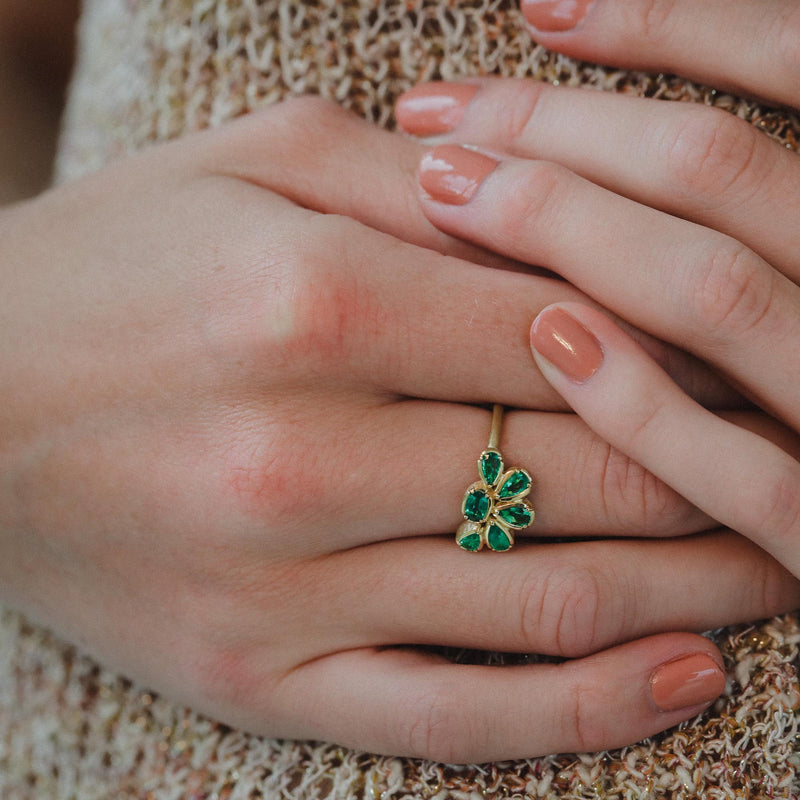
x=494 y=507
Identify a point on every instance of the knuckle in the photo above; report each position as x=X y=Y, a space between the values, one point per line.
x=280 y=474
x=710 y=153
x=436 y=728
x=534 y=200
x=767 y=586
x=226 y=676
x=733 y=292
x=780 y=510
x=636 y=501
x=303 y=308
x=643 y=423
x=565 y=609
x=335 y=306
x=579 y=719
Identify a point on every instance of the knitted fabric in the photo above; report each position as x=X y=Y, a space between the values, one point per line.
x=152 y=70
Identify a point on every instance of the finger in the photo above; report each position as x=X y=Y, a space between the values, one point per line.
x=740 y=479
x=581 y=485
x=568 y=599
x=415 y=460
x=401 y=320
x=745 y=47
x=687 y=284
x=694 y=162
x=415 y=704
x=327 y=159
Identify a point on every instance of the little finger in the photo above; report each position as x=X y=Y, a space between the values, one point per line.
x=416 y=704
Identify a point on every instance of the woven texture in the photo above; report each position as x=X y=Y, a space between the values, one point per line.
x=152 y=70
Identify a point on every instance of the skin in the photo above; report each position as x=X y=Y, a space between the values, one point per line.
x=708 y=261
x=213 y=400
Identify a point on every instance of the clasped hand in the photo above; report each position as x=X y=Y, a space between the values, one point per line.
x=244 y=386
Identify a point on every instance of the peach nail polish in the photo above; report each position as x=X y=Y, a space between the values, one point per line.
x=452 y=174
x=566 y=344
x=688 y=681
x=432 y=108
x=554 y=16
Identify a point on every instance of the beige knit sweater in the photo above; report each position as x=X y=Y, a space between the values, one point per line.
x=155 y=69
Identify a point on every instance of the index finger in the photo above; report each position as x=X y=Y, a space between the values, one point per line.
x=736 y=476
x=687 y=284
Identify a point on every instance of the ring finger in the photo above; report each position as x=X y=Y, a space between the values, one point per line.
x=414 y=460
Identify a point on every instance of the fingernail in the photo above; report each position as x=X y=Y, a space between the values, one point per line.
x=566 y=344
x=688 y=681
x=452 y=174
x=554 y=16
x=432 y=108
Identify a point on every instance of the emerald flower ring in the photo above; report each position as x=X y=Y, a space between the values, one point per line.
x=493 y=507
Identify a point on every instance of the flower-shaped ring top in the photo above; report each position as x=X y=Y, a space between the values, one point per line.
x=494 y=507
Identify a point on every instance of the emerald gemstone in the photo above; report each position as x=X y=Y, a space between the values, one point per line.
x=471 y=542
x=498 y=539
x=476 y=505
x=490 y=466
x=518 y=515
x=516 y=483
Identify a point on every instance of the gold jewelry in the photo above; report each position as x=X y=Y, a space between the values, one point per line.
x=493 y=507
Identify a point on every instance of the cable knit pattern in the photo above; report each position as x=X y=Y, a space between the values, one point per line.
x=152 y=70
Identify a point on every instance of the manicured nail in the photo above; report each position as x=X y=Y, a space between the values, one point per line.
x=566 y=344
x=554 y=16
x=689 y=681
x=432 y=108
x=452 y=174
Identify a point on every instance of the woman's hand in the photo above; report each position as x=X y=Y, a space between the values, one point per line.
x=230 y=426
x=683 y=220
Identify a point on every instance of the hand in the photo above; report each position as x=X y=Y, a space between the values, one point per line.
x=725 y=251
x=716 y=274
x=230 y=425
x=731 y=299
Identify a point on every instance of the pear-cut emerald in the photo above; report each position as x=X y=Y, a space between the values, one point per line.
x=516 y=483
x=490 y=466
x=517 y=515
x=471 y=542
x=476 y=505
x=498 y=539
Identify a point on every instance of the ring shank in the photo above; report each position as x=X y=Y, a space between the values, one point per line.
x=497 y=422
